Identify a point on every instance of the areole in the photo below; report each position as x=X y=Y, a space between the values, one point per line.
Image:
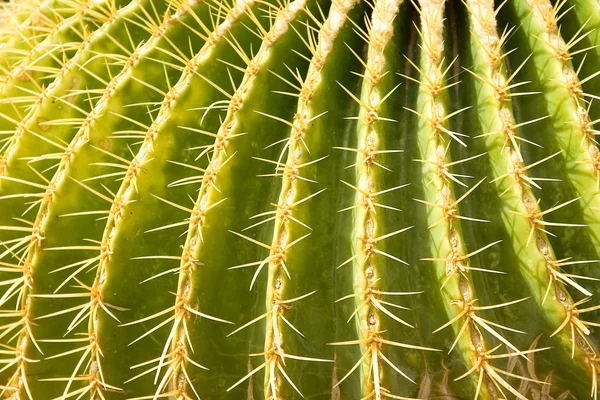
x=321 y=199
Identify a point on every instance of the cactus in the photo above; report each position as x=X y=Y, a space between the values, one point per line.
x=320 y=199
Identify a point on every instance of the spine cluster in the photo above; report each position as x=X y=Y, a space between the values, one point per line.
x=24 y=25
x=76 y=142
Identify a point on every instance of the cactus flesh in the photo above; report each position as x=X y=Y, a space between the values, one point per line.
x=320 y=199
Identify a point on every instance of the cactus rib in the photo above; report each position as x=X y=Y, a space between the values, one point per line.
x=42 y=21
x=48 y=94
x=93 y=373
x=452 y=260
x=176 y=360
x=19 y=66
x=40 y=224
x=369 y=305
x=220 y=156
x=13 y=14
x=504 y=150
x=31 y=245
x=283 y=217
x=434 y=233
x=576 y=135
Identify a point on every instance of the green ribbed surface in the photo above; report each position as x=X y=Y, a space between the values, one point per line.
x=299 y=199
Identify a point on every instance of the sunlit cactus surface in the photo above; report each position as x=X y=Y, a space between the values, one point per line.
x=286 y=199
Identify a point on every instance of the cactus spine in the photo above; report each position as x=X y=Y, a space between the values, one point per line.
x=336 y=199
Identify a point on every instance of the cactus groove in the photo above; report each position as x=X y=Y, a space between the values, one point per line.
x=285 y=199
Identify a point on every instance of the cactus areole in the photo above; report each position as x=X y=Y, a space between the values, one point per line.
x=287 y=199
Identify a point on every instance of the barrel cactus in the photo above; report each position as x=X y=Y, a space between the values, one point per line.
x=320 y=199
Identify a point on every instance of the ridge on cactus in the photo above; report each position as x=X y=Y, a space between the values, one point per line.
x=286 y=199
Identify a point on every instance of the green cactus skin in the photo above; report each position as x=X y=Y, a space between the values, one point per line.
x=320 y=199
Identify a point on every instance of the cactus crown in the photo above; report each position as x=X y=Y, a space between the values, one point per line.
x=321 y=199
